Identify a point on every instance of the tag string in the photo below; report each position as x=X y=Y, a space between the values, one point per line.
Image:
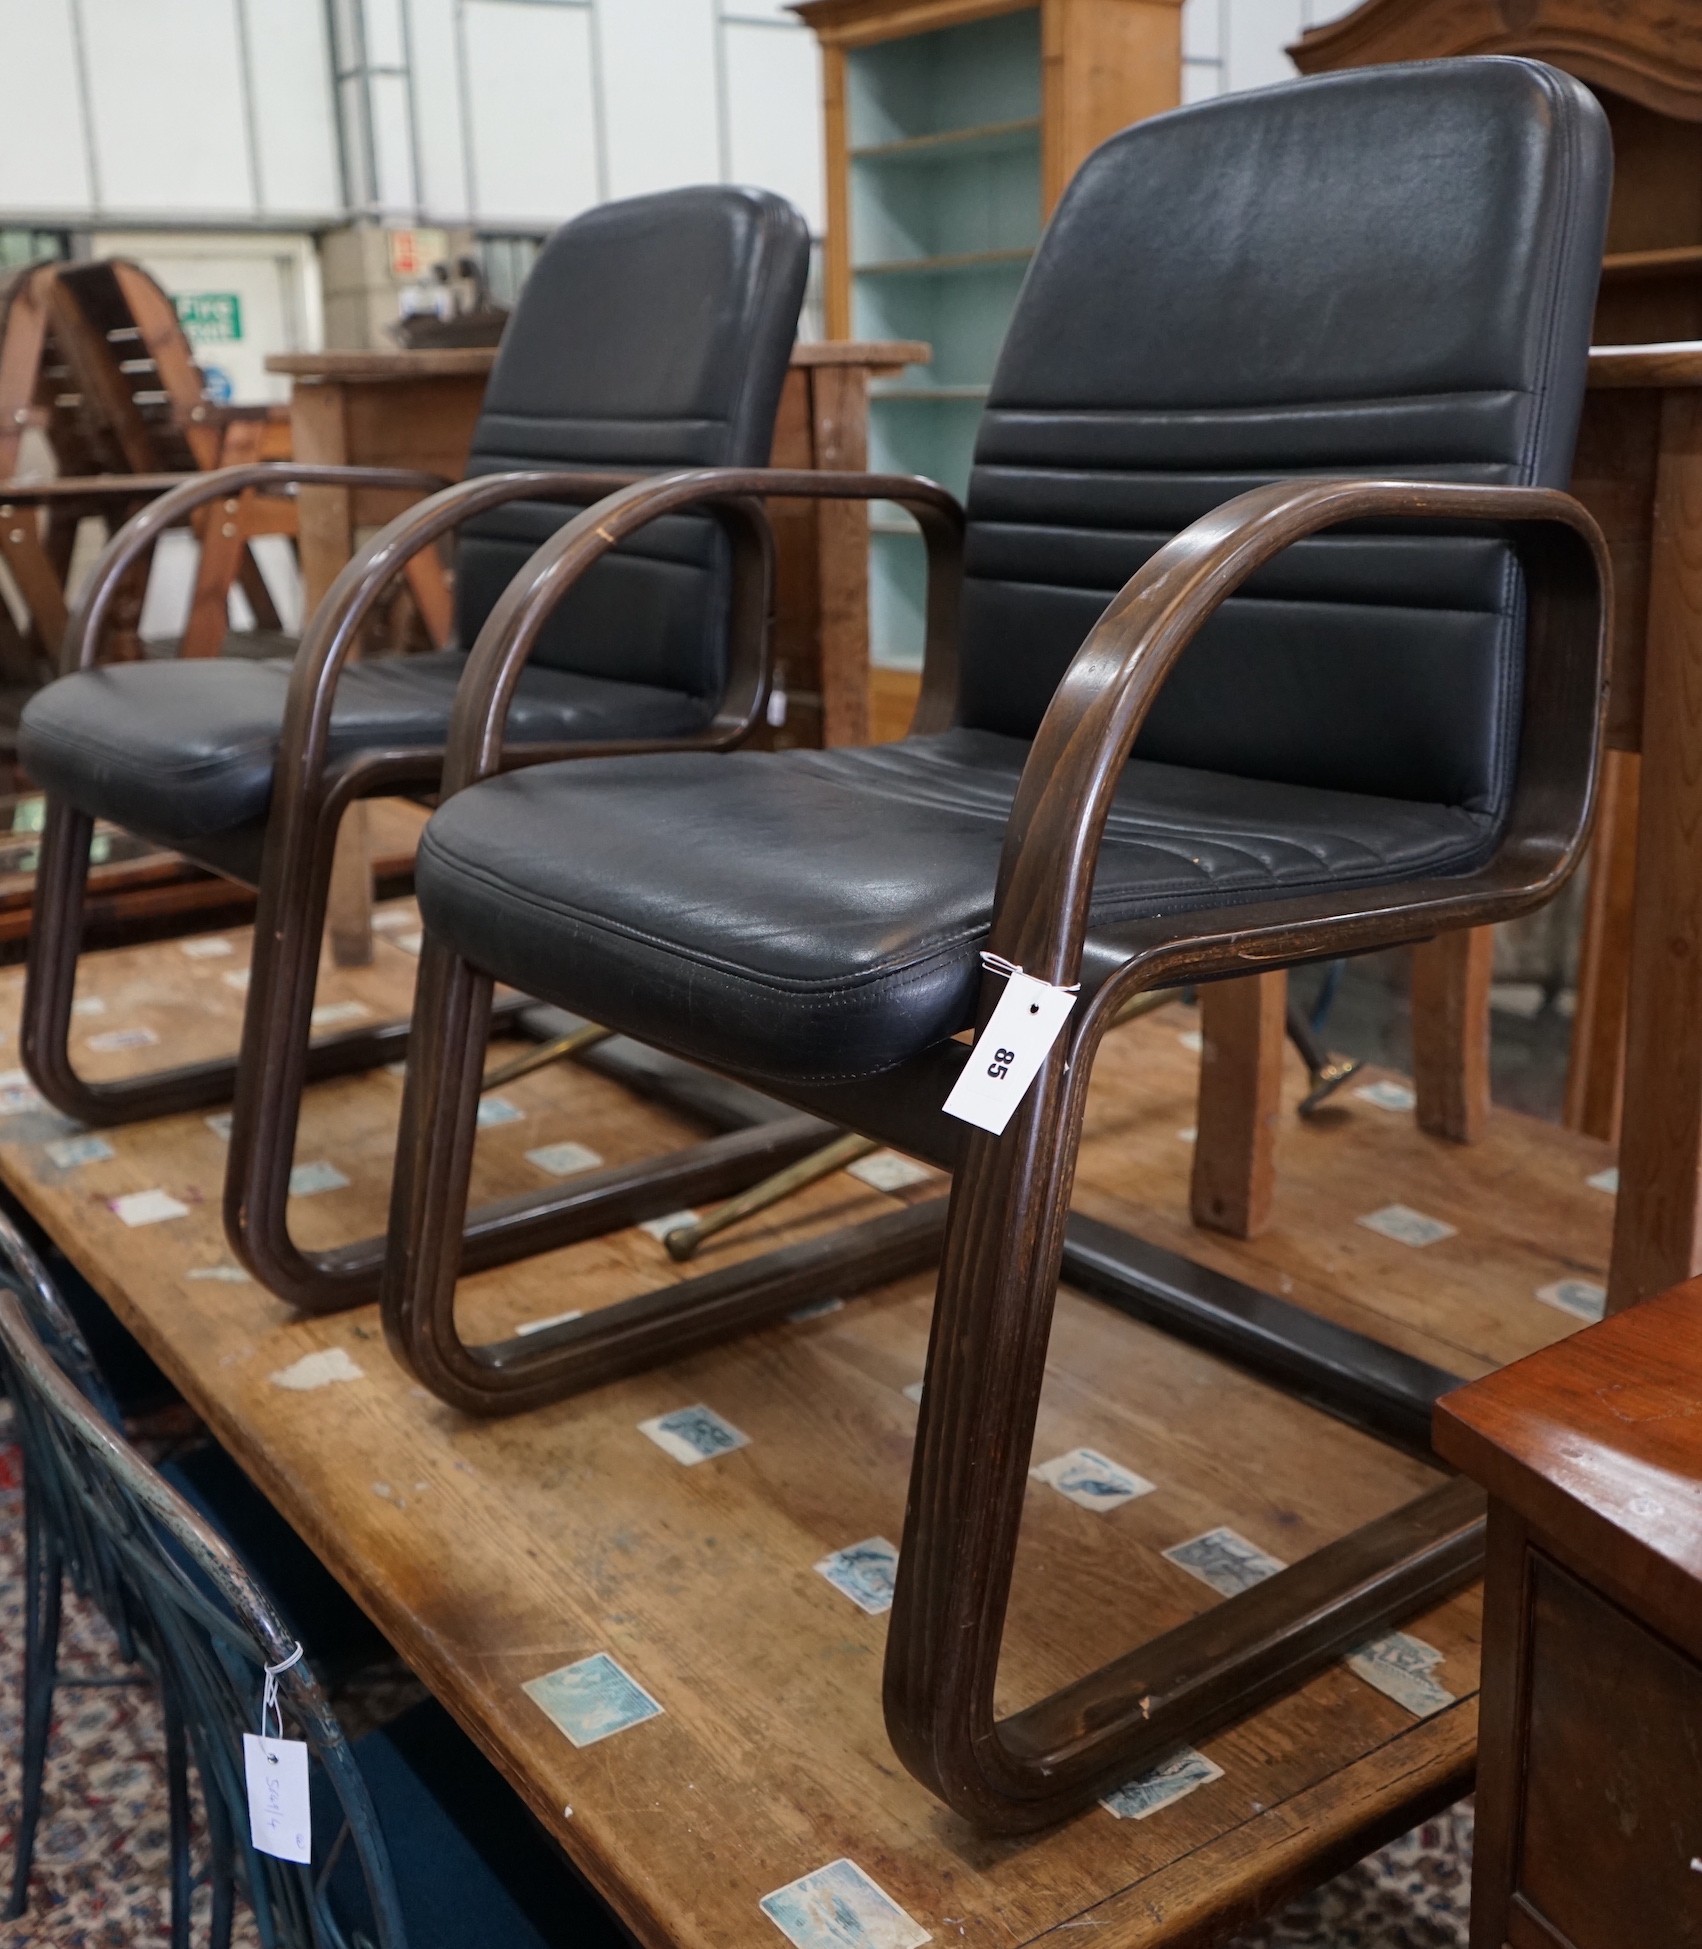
x=269 y=1707
x=997 y=964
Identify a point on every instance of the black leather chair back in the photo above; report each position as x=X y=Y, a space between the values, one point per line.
x=652 y=334
x=1387 y=272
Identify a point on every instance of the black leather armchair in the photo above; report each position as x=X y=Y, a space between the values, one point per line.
x=652 y=334
x=1271 y=638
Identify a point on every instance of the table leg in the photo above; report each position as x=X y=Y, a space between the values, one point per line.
x=1450 y=1033
x=326 y=541
x=1595 y=1066
x=839 y=408
x=1655 y=1233
x=1242 y=1038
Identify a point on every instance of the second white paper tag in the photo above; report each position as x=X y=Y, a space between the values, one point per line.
x=1009 y=1051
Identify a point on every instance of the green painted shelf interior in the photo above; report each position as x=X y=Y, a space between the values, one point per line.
x=944 y=135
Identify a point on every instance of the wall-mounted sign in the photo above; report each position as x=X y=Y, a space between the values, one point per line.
x=413 y=252
x=210 y=317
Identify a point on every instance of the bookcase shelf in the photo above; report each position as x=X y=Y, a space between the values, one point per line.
x=961 y=260
x=949 y=137
x=948 y=145
x=923 y=391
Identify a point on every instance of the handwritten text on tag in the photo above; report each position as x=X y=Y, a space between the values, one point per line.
x=276 y=1771
x=1009 y=1051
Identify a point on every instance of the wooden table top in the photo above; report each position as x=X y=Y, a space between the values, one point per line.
x=1599 y=1440
x=475 y=361
x=496 y=1553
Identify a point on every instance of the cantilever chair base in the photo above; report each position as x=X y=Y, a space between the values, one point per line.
x=1179 y=1687
x=1006 y=1237
x=279 y=1057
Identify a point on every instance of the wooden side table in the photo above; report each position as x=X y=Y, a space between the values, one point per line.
x=1590 y=1744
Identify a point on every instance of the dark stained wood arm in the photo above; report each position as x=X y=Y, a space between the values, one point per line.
x=81 y=649
x=334 y=629
x=1057 y=823
x=505 y=642
x=73 y=488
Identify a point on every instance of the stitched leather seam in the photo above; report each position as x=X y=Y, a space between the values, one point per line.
x=1332 y=605
x=524 y=418
x=1274 y=408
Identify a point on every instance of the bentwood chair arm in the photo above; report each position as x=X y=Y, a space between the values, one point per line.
x=334 y=628
x=173 y=507
x=1062 y=803
x=498 y=657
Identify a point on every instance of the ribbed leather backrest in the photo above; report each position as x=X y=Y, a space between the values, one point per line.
x=1386 y=272
x=652 y=334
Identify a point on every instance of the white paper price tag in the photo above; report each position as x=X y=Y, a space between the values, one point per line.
x=276 y=1771
x=1009 y=1051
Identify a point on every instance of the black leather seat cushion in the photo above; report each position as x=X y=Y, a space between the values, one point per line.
x=818 y=915
x=183 y=751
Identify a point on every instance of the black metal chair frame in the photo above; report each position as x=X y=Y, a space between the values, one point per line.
x=208 y=1648
x=1006 y=1235
x=311 y=793
x=58 y=1545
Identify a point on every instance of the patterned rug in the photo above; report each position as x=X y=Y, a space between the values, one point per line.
x=100 y=1864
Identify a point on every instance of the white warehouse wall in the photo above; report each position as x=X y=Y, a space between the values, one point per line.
x=167 y=111
x=502 y=114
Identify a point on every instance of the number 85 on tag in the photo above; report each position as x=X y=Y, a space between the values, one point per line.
x=1009 y=1051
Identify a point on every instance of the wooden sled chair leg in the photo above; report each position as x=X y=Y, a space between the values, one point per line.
x=1091 y=1737
x=432 y=1241
x=668 y=1323
x=276 y=1064
x=992 y=1323
x=50 y=990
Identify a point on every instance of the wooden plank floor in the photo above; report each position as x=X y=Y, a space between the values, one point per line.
x=495 y=1553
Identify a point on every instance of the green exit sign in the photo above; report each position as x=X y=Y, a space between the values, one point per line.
x=210 y=317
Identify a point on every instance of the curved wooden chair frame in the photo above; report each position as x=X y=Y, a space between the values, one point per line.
x=312 y=791
x=1007 y=1232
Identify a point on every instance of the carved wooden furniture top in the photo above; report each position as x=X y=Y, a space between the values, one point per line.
x=1599 y=1439
x=852 y=21
x=1649 y=50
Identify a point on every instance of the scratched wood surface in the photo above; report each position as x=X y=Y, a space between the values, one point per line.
x=495 y=1553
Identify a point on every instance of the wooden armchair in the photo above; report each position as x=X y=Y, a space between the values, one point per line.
x=1269 y=639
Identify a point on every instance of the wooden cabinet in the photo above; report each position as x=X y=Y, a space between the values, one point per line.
x=1590 y=1759
x=952 y=128
x=1643 y=59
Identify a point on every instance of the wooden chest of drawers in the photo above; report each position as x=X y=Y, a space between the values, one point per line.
x=1590 y=1755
